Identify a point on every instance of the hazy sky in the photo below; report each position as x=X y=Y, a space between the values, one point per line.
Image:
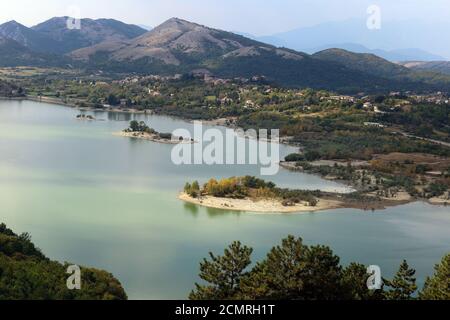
x=259 y=17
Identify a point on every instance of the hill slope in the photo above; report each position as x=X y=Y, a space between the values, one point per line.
x=411 y=54
x=434 y=66
x=13 y=54
x=27 y=274
x=27 y=37
x=364 y=62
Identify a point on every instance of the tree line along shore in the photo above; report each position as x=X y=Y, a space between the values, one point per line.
x=250 y=194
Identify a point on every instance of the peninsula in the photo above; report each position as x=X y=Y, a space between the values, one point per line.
x=139 y=130
x=251 y=194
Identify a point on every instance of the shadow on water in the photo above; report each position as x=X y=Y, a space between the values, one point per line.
x=191 y=208
x=194 y=210
x=216 y=213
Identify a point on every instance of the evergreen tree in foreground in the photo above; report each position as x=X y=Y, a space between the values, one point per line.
x=354 y=282
x=403 y=286
x=438 y=286
x=295 y=271
x=223 y=273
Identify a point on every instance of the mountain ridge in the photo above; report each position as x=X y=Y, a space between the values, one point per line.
x=181 y=46
x=53 y=36
x=91 y=32
x=442 y=67
x=27 y=37
x=397 y=55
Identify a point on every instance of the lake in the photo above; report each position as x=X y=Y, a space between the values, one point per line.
x=110 y=202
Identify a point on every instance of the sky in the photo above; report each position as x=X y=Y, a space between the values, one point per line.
x=257 y=17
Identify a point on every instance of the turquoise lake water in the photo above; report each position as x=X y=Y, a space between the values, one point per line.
x=110 y=202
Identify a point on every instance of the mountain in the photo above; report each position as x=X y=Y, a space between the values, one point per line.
x=90 y=33
x=27 y=37
x=393 y=36
x=364 y=62
x=13 y=54
x=169 y=40
x=373 y=65
x=433 y=66
x=145 y=27
x=179 y=46
x=411 y=54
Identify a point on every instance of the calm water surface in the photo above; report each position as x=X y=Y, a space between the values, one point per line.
x=109 y=202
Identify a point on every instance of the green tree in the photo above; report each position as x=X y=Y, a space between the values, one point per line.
x=134 y=126
x=354 y=282
x=294 y=157
x=403 y=286
x=294 y=271
x=27 y=274
x=113 y=100
x=196 y=186
x=438 y=286
x=223 y=274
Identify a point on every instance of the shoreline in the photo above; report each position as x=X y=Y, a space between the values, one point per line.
x=291 y=167
x=261 y=206
x=57 y=101
x=329 y=202
x=326 y=203
x=220 y=122
x=150 y=137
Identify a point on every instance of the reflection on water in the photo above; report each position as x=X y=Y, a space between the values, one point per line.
x=191 y=208
x=95 y=199
x=116 y=116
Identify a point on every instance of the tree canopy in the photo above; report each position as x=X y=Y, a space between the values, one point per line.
x=27 y=274
x=295 y=271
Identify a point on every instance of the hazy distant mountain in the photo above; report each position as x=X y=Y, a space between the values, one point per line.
x=143 y=26
x=391 y=55
x=434 y=66
x=392 y=36
x=411 y=54
x=90 y=33
x=27 y=37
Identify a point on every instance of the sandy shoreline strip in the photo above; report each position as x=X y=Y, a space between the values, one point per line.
x=149 y=137
x=261 y=206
